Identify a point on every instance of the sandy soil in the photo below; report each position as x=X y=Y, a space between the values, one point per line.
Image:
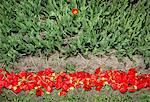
x=89 y=64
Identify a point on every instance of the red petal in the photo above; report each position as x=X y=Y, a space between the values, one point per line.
x=98 y=71
x=39 y=92
x=62 y=93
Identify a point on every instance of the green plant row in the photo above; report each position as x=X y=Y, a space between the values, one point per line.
x=81 y=95
x=33 y=26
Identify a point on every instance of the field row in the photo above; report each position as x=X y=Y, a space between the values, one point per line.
x=46 y=26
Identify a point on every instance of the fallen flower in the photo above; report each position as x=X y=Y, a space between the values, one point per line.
x=47 y=79
x=39 y=92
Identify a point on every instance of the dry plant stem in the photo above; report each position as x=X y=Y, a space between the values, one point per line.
x=33 y=63
x=13 y=93
x=82 y=57
x=47 y=62
x=76 y=91
x=84 y=60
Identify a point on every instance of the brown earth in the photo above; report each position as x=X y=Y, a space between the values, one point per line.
x=89 y=64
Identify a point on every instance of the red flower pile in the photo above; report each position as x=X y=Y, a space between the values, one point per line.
x=46 y=80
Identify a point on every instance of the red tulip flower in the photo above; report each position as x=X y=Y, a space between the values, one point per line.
x=98 y=71
x=62 y=93
x=75 y=11
x=39 y=92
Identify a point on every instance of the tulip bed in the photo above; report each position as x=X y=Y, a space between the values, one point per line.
x=45 y=81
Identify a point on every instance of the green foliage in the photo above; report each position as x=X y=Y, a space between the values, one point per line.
x=75 y=96
x=70 y=68
x=30 y=26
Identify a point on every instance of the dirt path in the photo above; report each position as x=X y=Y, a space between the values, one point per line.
x=80 y=63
